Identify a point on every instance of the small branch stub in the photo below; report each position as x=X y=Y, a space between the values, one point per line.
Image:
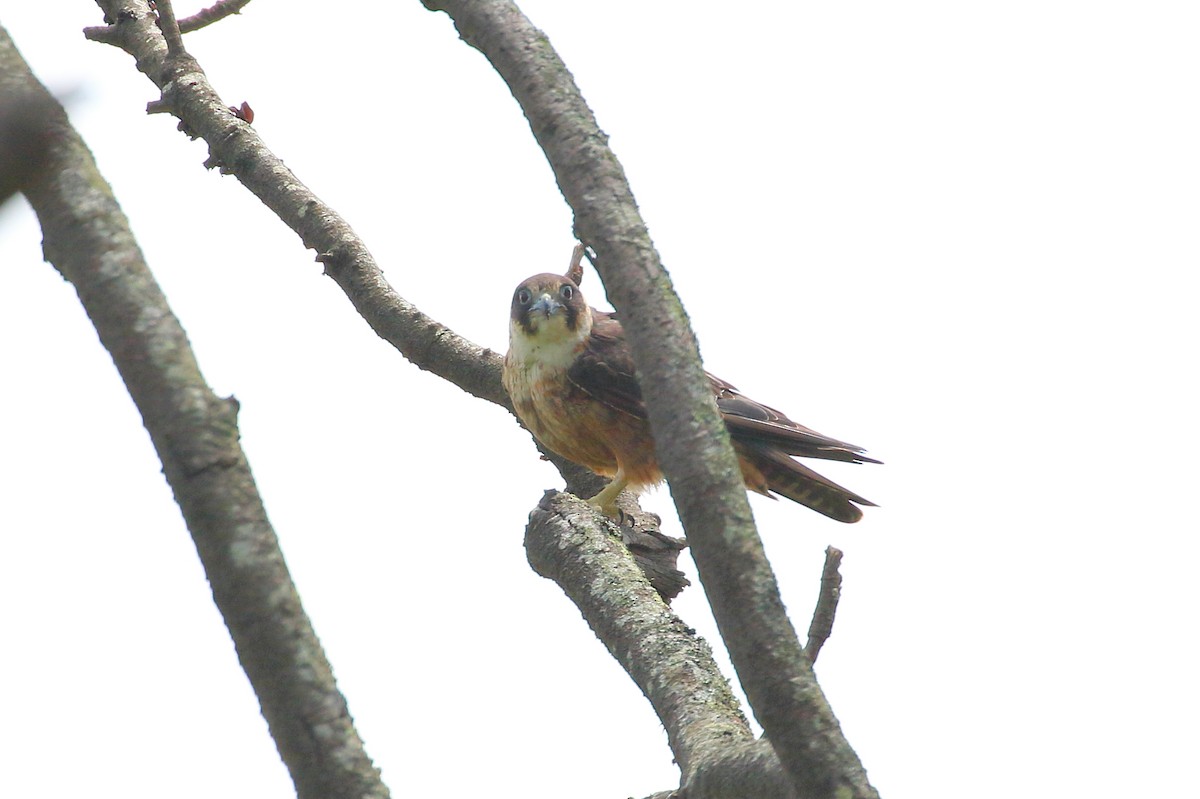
x=831 y=590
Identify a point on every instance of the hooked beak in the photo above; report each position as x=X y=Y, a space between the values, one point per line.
x=546 y=304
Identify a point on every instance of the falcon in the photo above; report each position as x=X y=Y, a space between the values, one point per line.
x=570 y=374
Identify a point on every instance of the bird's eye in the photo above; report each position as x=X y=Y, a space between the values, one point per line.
x=524 y=297
x=567 y=291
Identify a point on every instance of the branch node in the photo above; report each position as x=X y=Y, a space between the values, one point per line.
x=183 y=128
x=104 y=34
x=170 y=28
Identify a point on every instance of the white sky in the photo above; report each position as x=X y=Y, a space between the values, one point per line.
x=962 y=235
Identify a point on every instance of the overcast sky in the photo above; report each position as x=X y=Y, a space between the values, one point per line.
x=962 y=235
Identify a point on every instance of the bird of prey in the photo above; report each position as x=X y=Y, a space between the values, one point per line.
x=570 y=374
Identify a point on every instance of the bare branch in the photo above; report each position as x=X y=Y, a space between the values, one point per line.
x=827 y=602
x=568 y=542
x=575 y=269
x=87 y=238
x=214 y=13
x=236 y=148
x=692 y=444
x=169 y=27
x=655 y=552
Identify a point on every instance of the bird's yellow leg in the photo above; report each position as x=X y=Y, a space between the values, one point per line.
x=606 y=500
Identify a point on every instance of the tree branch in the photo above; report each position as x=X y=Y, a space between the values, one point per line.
x=827 y=601
x=236 y=148
x=217 y=11
x=566 y=541
x=169 y=27
x=195 y=433
x=692 y=444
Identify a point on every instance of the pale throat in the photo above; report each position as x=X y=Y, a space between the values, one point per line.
x=552 y=346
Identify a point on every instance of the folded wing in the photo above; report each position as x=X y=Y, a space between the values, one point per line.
x=765 y=439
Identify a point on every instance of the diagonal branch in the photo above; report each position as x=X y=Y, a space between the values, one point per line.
x=169 y=27
x=214 y=13
x=821 y=626
x=236 y=148
x=692 y=444
x=88 y=239
x=566 y=541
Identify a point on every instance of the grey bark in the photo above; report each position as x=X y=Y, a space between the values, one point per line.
x=719 y=758
x=195 y=433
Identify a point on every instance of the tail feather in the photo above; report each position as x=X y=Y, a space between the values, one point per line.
x=768 y=470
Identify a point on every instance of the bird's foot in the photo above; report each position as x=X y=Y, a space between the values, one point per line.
x=606 y=500
x=608 y=508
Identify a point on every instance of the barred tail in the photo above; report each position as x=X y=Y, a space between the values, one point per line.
x=768 y=470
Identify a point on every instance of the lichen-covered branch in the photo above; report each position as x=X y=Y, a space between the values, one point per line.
x=692 y=444
x=567 y=542
x=236 y=149
x=821 y=626
x=87 y=238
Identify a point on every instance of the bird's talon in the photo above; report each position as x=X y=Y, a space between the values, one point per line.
x=609 y=510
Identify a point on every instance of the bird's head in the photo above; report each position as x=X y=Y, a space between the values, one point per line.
x=549 y=310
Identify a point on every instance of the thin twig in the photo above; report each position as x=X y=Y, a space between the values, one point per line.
x=169 y=27
x=575 y=270
x=827 y=602
x=217 y=11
